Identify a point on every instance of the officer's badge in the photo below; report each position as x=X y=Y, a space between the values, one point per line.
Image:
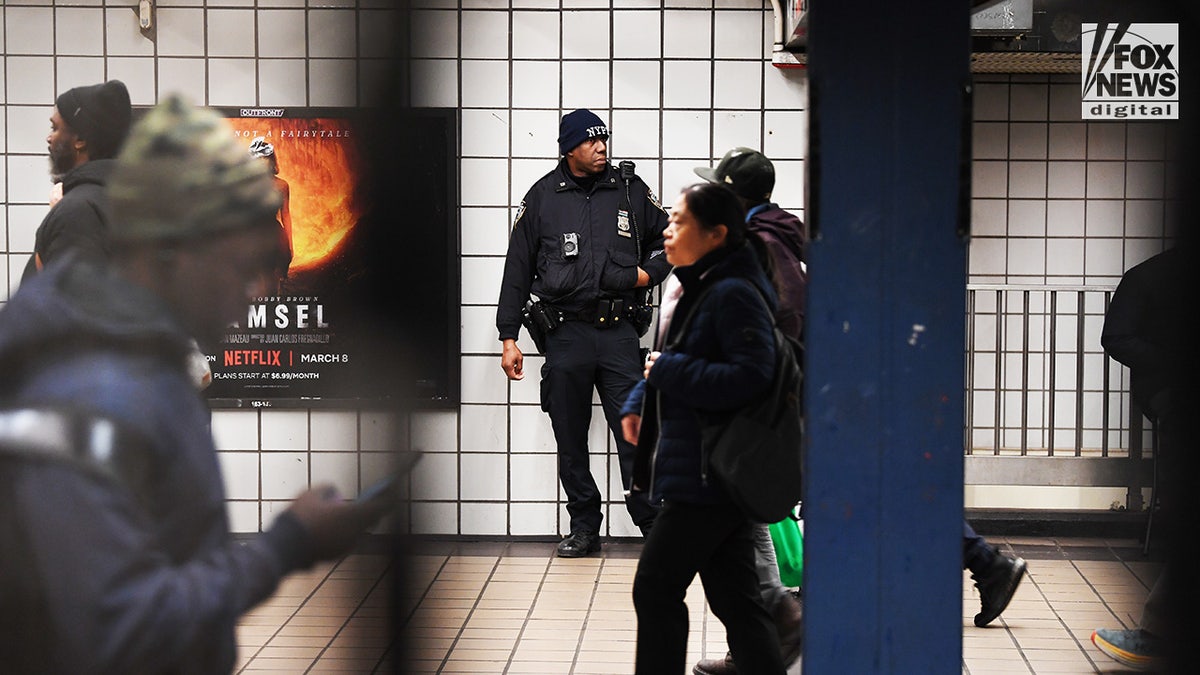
x=520 y=212
x=623 y=223
x=654 y=200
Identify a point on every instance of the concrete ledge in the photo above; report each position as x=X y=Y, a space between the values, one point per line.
x=1058 y=523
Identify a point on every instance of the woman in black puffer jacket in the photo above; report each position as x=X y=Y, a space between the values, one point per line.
x=724 y=361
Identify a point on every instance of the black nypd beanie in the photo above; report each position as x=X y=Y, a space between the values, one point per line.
x=577 y=127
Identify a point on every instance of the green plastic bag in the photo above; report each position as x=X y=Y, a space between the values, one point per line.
x=789 y=551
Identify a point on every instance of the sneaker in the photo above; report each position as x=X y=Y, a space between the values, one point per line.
x=578 y=544
x=996 y=586
x=1134 y=648
x=788 y=621
x=722 y=666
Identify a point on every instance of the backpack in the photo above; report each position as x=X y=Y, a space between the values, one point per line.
x=755 y=453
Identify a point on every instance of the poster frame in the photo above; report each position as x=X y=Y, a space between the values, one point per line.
x=448 y=392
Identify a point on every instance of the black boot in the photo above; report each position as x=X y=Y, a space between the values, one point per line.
x=996 y=586
x=579 y=544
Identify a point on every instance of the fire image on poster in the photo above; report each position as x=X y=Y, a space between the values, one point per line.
x=296 y=342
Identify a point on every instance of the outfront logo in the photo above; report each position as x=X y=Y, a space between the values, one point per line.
x=1130 y=71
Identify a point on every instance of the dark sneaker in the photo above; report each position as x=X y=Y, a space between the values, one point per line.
x=996 y=587
x=1134 y=648
x=579 y=544
x=722 y=666
x=788 y=621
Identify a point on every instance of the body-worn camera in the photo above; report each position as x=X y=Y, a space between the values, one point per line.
x=570 y=244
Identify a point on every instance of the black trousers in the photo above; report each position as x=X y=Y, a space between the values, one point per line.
x=580 y=357
x=717 y=542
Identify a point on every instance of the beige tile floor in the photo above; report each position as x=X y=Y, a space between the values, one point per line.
x=515 y=609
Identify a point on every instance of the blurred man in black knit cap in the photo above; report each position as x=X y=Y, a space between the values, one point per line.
x=87 y=128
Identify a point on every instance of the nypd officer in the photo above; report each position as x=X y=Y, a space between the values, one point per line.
x=587 y=243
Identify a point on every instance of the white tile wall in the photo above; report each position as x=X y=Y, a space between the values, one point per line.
x=284 y=474
x=284 y=430
x=30 y=80
x=485 y=519
x=484 y=477
x=339 y=469
x=28 y=30
x=484 y=133
x=1055 y=199
x=331 y=34
x=281 y=82
x=585 y=84
x=586 y=34
x=240 y=474
x=187 y=77
x=484 y=428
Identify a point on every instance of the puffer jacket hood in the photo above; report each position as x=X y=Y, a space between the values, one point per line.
x=774 y=222
x=786 y=241
x=70 y=304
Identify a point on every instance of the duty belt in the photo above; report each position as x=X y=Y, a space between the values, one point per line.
x=604 y=313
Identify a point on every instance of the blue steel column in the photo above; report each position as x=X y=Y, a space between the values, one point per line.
x=885 y=336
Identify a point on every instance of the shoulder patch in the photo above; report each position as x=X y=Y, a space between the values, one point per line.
x=520 y=212
x=654 y=200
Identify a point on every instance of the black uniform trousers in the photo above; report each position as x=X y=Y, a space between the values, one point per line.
x=580 y=357
x=716 y=541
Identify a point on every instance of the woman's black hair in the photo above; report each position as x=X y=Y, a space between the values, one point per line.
x=713 y=204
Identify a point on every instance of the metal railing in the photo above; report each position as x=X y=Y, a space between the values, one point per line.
x=1044 y=405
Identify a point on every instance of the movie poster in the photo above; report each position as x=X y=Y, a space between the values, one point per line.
x=364 y=303
x=294 y=342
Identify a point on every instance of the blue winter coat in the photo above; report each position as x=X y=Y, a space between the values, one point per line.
x=132 y=586
x=724 y=362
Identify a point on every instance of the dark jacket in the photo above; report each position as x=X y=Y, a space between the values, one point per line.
x=150 y=584
x=604 y=262
x=725 y=361
x=79 y=222
x=786 y=240
x=1145 y=327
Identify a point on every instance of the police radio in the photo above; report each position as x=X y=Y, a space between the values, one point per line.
x=641 y=314
x=626 y=168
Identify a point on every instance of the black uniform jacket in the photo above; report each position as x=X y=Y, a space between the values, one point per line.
x=570 y=247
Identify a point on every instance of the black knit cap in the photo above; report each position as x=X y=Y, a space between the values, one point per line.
x=98 y=114
x=576 y=127
x=747 y=171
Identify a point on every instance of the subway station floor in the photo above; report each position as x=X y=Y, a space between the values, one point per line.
x=515 y=609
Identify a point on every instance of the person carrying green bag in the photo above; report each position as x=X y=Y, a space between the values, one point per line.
x=752 y=177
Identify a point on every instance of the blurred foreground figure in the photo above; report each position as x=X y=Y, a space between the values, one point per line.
x=1144 y=329
x=115 y=551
